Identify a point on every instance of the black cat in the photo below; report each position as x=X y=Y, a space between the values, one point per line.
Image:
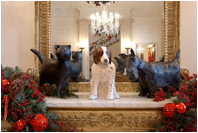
x=76 y=64
x=121 y=65
x=55 y=71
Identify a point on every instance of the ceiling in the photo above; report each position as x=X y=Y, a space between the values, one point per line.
x=116 y=5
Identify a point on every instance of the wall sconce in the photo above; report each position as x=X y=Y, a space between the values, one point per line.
x=128 y=46
x=81 y=47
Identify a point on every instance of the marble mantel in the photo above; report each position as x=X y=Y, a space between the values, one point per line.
x=130 y=113
x=130 y=99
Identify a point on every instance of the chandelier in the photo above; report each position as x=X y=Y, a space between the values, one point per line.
x=105 y=24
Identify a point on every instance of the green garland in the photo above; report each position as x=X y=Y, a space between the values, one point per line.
x=24 y=105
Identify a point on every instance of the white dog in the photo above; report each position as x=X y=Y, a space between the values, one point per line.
x=103 y=75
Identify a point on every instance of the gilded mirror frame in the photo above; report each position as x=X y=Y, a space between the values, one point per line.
x=119 y=119
x=171 y=29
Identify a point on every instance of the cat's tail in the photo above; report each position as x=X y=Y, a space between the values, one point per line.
x=177 y=55
x=40 y=56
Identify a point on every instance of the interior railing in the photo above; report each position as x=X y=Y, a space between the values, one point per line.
x=105 y=41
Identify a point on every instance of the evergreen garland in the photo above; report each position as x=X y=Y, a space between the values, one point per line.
x=25 y=104
x=185 y=122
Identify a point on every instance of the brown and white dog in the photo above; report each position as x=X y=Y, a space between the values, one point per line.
x=103 y=75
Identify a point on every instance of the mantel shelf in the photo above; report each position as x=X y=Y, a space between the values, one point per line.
x=127 y=100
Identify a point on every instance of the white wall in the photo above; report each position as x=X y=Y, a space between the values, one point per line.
x=64 y=27
x=148 y=28
x=17 y=34
x=189 y=36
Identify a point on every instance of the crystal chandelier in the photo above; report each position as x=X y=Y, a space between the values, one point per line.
x=105 y=24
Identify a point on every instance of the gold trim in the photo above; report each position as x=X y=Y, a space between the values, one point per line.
x=42 y=30
x=110 y=119
x=120 y=86
x=171 y=29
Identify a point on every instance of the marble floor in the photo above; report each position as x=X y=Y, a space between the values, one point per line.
x=126 y=100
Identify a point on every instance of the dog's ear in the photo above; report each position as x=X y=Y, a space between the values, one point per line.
x=95 y=56
x=110 y=57
x=57 y=46
x=123 y=56
x=132 y=53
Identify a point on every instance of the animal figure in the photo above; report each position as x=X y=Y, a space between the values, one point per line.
x=103 y=75
x=152 y=75
x=56 y=71
x=121 y=65
x=76 y=65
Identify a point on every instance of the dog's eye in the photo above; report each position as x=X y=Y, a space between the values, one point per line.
x=108 y=53
x=100 y=54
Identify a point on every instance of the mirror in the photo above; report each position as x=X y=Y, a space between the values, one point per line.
x=68 y=22
x=147 y=52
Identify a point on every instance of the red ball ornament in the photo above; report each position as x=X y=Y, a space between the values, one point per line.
x=4 y=83
x=20 y=124
x=38 y=122
x=169 y=109
x=180 y=108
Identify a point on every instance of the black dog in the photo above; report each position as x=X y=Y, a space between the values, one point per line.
x=121 y=65
x=153 y=75
x=56 y=71
x=76 y=65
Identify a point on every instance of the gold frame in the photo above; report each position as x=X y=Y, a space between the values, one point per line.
x=42 y=31
x=108 y=119
x=171 y=29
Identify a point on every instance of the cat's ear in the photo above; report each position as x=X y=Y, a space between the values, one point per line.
x=57 y=46
x=69 y=46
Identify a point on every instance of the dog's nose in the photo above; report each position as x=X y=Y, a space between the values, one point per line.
x=105 y=60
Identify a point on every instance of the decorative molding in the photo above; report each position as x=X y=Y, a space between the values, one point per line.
x=120 y=86
x=42 y=30
x=110 y=119
x=171 y=29
x=62 y=30
x=146 y=30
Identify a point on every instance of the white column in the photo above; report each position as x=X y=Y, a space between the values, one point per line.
x=84 y=41
x=125 y=34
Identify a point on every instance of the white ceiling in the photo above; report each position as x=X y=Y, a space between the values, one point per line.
x=116 y=5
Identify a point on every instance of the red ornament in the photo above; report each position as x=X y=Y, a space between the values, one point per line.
x=38 y=122
x=20 y=124
x=4 y=83
x=6 y=106
x=169 y=109
x=180 y=108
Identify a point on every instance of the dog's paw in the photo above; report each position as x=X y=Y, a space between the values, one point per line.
x=92 y=97
x=117 y=97
x=110 y=98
